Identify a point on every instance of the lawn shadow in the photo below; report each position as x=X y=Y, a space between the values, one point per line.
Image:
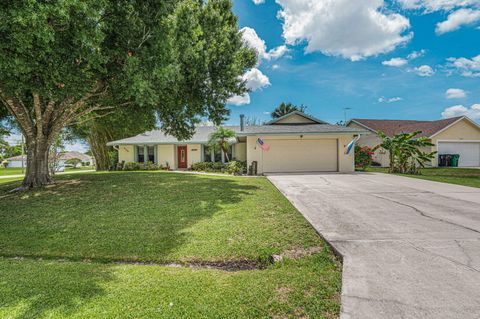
x=31 y=289
x=138 y=216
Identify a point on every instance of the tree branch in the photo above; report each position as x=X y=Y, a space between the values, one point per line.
x=38 y=114
x=47 y=115
x=20 y=114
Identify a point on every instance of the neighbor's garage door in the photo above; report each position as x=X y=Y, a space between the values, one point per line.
x=301 y=156
x=469 y=152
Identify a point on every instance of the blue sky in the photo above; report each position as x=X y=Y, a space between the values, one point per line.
x=337 y=54
x=395 y=59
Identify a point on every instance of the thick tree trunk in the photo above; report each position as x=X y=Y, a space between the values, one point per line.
x=37 y=173
x=98 y=140
x=101 y=154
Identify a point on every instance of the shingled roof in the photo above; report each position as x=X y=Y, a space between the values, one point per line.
x=202 y=133
x=394 y=127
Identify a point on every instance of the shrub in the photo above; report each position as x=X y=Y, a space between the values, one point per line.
x=363 y=157
x=5 y=164
x=132 y=166
x=152 y=166
x=236 y=167
x=208 y=167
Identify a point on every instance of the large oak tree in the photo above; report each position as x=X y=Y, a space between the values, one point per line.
x=69 y=62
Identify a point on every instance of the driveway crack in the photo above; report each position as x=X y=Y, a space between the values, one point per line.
x=464 y=251
x=423 y=250
x=427 y=215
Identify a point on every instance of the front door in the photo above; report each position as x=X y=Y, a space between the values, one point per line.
x=182 y=157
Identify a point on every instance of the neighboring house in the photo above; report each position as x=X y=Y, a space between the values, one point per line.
x=86 y=159
x=16 y=161
x=459 y=135
x=298 y=143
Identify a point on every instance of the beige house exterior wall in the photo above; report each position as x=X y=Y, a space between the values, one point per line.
x=126 y=153
x=295 y=119
x=254 y=153
x=241 y=151
x=194 y=154
x=380 y=156
x=166 y=155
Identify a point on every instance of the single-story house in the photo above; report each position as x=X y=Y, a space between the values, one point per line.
x=297 y=143
x=87 y=160
x=458 y=135
x=16 y=161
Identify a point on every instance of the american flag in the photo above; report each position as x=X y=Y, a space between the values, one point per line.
x=262 y=145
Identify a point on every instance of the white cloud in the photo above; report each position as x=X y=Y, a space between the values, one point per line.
x=239 y=99
x=350 y=29
x=455 y=94
x=466 y=67
x=458 y=19
x=399 y=62
x=254 y=80
x=472 y=112
x=275 y=66
x=257 y=2
x=252 y=40
x=424 y=71
x=395 y=62
x=276 y=53
x=437 y=5
x=389 y=100
x=416 y=54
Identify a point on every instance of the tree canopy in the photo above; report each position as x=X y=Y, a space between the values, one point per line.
x=69 y=62
x=286 y=108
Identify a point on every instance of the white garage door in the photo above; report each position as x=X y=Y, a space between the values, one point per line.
x=287 y=156
x=469 y=152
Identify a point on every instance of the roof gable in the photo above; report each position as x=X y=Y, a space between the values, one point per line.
x=394 y=127
x=295 y=118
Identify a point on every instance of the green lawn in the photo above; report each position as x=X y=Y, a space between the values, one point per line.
x=10 y=171
x=158 y=217
x=18 y=171
x=9 y=180
x=461 y=176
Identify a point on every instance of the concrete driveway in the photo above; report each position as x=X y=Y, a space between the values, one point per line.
x=411 y=247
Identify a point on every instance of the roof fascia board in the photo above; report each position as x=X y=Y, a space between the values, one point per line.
x=303 y=133
x=297 y=113
x=363 y=125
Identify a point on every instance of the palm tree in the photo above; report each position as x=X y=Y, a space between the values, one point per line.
x=286 y=108
x=221 y=139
